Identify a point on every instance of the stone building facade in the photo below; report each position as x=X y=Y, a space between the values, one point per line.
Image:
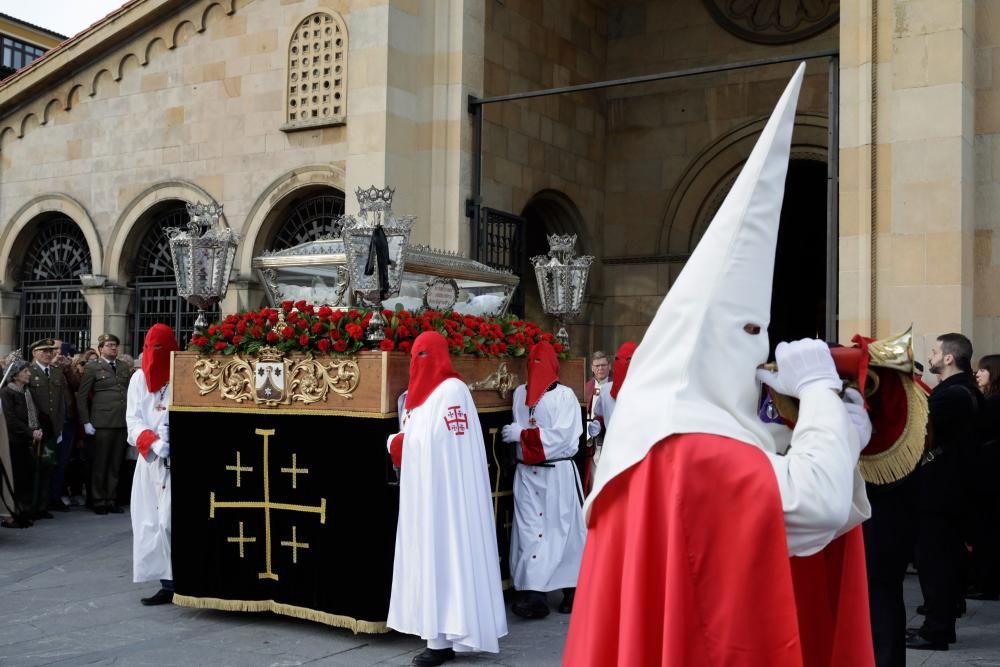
x=173 y=101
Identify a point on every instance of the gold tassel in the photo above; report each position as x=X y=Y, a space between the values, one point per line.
x=901 y=459
x=335 y=620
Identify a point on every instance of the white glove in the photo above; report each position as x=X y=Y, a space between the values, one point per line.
x=593 y=428
x=803 y=363
x=161 y=448
x=89 y=429
x=511 y=433
x=163 y=432
x=859 y=416
x=59 y=439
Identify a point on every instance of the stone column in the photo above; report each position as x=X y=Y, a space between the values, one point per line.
x=10 y=310
x=413 y=65
x=924 y=173
x=109 y=312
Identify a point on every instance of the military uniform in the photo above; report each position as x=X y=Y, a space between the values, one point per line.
x=48 y=390
x=101 y=402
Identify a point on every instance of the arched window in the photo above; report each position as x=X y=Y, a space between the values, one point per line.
x=317 y=73
x=313 y=217
x=155 y=286
x=52 y=305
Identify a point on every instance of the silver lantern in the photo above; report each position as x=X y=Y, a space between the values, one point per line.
x=375 y=244
x=203 y=257
x=562 y=279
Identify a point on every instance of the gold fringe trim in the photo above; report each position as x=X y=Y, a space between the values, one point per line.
x=902 y=458
x=335 y=620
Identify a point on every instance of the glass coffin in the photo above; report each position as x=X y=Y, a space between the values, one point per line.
x=317 y=272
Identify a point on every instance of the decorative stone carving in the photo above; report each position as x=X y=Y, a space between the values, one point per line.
x=774 y=21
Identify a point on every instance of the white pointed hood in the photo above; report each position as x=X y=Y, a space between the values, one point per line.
x=694 y=371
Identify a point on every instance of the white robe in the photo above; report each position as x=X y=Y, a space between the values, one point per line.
x=604 y=406
x=446 y=572
x=549 y=531
x=150 y=508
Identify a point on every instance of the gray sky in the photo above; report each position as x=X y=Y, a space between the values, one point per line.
x=66 y=17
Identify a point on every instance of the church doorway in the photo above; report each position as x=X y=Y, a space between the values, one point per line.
x=799 y=297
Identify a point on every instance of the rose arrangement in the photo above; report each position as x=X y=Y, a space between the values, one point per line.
x=302 y=327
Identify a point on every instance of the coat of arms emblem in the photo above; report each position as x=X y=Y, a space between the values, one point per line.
x=270 y=372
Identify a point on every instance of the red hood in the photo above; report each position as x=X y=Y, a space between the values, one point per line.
x=430 y=365
x=160 y=342
x=543 y=370
x=620 y=369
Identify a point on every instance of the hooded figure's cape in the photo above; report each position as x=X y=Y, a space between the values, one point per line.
x=687 y=559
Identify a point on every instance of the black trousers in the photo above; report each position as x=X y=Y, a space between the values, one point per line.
x=889 y=535
x=109 y=451
x=938 y=553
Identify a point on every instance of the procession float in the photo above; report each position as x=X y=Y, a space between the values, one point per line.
x=284 y=496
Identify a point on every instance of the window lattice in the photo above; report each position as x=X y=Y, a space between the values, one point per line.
x=317 y=71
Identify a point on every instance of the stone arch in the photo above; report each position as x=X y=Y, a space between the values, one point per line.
x=208 y=13
x=263 y=214
x=551 y=211
x=706 y=180
x=73 y=96
x=13 y=239
x=184 y=31
x=51 y=109
x=26 y=123
x=120 y=70
x=157 y=43
x=316 y=85
x=125 y=232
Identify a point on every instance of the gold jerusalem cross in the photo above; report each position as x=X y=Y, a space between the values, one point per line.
x=238 y=469
x=268 y=506
x=241 y=540
x=295 y=471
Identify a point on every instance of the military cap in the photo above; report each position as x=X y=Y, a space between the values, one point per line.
x=107 y=338
x=43 y=344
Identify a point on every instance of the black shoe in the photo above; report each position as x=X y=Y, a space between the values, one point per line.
x=980 y=595
x=566 y=606
x=162 y=597
x=529 y=610
x=100 y=510
x=434 y=656
x=921 y=644
x=58 y=507
x=115 y=509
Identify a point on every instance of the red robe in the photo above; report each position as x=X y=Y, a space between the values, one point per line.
x=686 y=564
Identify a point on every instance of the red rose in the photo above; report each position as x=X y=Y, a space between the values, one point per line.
x=301 y=325
x=386 y=345
x=337 y=314
x=340 y=346
x=286 y=306
x=335 y=334
x=318 y=327
x=212 y=330
x=220 y=345
x=288 y=332
x=308 y=309
x=304 y=340
x=353 y=314
x=272 y=316
x=300 y=305
x=293 y=317
x=241 y=326
x=325 y=312
x=558 y=347
x=272 y=337
x=404 y=346
x=237 y=339
x=256 y=332
x=323 y=344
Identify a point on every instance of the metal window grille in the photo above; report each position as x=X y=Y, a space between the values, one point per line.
x=502 y=246
x=156 y=299
x=52 y=305
x=320 y=216
x=317 y=70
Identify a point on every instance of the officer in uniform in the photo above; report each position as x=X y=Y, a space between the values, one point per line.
x=48 y=390
x=101 y=401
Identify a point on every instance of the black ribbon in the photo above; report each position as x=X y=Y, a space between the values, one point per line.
x=378 y=249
